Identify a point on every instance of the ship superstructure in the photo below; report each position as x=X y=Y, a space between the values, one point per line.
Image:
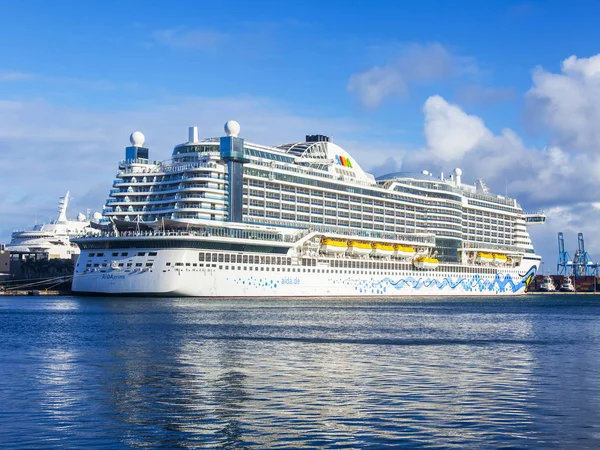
x=225 y=217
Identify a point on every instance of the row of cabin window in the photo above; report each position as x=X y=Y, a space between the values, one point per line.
x=91 y=255
x=309 y=270
x=120 y=265
x=252 y=259
x=384 y=265
x=244 y=259
x=187 y=264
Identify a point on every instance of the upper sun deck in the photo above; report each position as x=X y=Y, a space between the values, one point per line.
x=316 y=156
x=451 y=184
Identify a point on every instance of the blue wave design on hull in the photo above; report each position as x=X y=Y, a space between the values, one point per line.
x=475 y=283
x=386 y=286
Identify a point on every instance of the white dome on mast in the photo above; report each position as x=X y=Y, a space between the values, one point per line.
x=137 y=139
x=232 y=128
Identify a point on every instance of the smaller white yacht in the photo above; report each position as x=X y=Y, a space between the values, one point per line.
x=567 y=285
x=547 y=285
x=53 y=239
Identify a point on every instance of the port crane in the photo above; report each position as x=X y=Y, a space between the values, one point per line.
x=582 y=262
x=565 y=264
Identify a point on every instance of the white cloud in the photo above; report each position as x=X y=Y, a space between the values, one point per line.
x=376 y=84
x=417 y=64
x=450 y=133
x=567 y=105
x=582 y=67
x=454 y=138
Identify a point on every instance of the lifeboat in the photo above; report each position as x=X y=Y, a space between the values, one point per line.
x=333 y=246
x=500 y=259
x=426 y=262
x=484 y=258
x=403 y=252
x=382 y=250
x=359 y=248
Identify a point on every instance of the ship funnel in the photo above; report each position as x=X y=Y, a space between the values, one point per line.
x=193 y=134
x=62 y=208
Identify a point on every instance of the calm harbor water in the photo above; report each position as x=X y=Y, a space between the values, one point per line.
x=80 y=372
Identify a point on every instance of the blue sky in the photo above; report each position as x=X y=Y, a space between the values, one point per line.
x=487 y=86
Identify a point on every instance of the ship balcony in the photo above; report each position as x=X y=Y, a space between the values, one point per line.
x=201 y=198
x=126 y=193
x=201 y=213
x=169 y=210
x=177 y=189
x=159 y=168
x=121 y=181
x=193 y=188
x=145 y=201
x=175 y=181
x=173 y=199
x=211 y=180
x=125 y=204
x=204 y=216
x=200 y=167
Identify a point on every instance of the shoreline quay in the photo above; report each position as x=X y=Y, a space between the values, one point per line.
x=563 y=293
x=33 y=292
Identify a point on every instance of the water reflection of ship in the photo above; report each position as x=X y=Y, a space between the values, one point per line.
x=181 y=375
x=230 y=391
x=230 y=395
x=152 y=392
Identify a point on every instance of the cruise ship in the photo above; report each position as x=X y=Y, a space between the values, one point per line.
x=224 y=217
x=53 y=239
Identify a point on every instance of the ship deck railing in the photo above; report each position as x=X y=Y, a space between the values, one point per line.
x=491 y=198
x=488 y=246
x=235 y=233
x=166 y=166
x=208 y=232
x=421 y=238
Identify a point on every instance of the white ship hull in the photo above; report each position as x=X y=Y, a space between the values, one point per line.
x=226 y=280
